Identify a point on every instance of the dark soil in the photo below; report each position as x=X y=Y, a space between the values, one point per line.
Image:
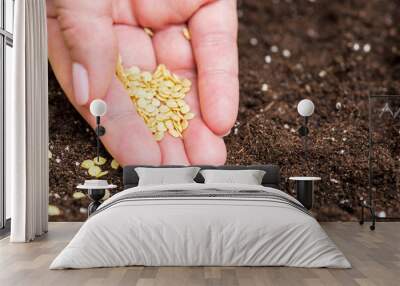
x=325 y=66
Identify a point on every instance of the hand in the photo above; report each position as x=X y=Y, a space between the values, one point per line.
x=85 y=38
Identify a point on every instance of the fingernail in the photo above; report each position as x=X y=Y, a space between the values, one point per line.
x=80 y=80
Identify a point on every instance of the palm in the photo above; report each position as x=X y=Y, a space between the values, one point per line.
x=127 y=137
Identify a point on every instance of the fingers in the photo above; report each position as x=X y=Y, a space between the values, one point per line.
x=59 y=57
x=214 y=32
x=129 y=139
x=201 y=145
x=87 y=30
x=157 y=14
x=166 y=47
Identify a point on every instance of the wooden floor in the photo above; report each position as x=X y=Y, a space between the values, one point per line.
x=375 y=257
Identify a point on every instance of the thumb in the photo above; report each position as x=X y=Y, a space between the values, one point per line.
x=87 y=29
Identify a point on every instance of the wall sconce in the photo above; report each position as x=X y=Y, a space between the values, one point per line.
x=305 y=108
x=98 y=108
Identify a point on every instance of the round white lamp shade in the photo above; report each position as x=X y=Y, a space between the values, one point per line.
x=98 y=107
x=305 y=107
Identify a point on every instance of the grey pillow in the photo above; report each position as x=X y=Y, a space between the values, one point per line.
x=248 y=177
x=162 y=176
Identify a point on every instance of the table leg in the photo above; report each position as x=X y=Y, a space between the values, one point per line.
x=305 y=193
x=95 y=196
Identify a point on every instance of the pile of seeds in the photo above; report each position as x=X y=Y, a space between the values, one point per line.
x=158 y=98
x=94 y=169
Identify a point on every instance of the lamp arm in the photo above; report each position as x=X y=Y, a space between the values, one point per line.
x=305 y=137
x=100 y=131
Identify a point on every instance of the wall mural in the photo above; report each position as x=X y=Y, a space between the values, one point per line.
x=335 y=53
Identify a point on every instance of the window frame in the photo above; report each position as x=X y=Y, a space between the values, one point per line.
x=6 y=39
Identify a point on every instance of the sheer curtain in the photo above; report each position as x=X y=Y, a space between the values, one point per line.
x=27 y=124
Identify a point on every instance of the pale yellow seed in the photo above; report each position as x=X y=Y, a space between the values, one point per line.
x=178 y=126
x=150 y=108
x=140 y=93
x=155 y=102
x=185 y=90
x=178 y=95
x=185 y=109
x=94 y=171
x=161 y=117
x=159 y=135
x=169 y=84
x=174 y=117
x=172 y=103
x=148 y=31
x=87 y=164
x=169 y=124
x=101 y=174
x=180 y=102
x=174 y=133
x=186 y=83
x=133 y=71
x=161 y=127
x=53 y=210
x=149 y=94
x=189 y=116
x=164 y=109
x=142 y=103
x=186 y=33
x=184 y=124
x=99 y=161
x=114 y=164
x=146 y=76
x=78 y=195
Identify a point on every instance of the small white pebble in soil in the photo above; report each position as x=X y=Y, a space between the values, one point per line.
x=342 y=152
x=58 y=160
x=77 y=163
x=67 y=148
x=367 y=48
x=344 y=139
x=235 y=131
x=268 y=59
x=286 y=126
x=293 y=130
x=334 y=181
x=274 y=49
x=286 y=53
x=87 y=129
x=356 y=46
x=264 y=87
x=338 y=105
x=322 y=73
x=83 y=210
x=253 y=41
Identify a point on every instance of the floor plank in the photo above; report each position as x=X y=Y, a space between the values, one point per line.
x=375 y=257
